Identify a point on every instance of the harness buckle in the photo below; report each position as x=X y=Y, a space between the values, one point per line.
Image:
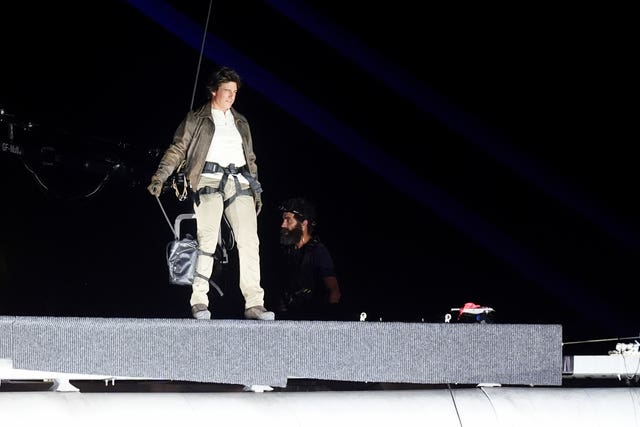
x=232 y=169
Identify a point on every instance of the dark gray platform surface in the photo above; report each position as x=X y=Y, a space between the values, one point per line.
x=268 y=353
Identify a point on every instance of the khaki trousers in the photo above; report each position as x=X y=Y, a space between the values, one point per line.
x=241 y=214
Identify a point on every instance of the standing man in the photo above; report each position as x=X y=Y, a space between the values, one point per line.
x=214 y=145
x=311 y=290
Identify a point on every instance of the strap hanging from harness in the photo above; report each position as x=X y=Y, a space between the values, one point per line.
x=234 y=171
x=180 y=178
x=211 y=282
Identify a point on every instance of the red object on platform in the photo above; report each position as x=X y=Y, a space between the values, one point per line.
x=467 y=305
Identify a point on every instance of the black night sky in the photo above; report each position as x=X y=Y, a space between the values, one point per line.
x=455 y=153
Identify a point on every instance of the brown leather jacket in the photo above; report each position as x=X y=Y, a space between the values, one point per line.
x=191 y=143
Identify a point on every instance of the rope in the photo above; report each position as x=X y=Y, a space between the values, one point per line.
x=600 y=340
x=204 y=38
x=173 y=231
x=195 y=85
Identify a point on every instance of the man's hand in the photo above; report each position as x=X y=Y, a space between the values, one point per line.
x=155 y=188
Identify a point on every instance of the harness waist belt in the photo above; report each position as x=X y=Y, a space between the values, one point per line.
x=212 y=167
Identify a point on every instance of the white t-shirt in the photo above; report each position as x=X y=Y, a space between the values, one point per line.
x=226 y=145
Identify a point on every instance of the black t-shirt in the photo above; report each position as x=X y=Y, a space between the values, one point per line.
x=304 y=295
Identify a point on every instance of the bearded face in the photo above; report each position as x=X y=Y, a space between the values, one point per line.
x=291 y=237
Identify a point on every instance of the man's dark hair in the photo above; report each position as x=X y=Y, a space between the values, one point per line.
x=302 y=209
x=220 y=76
